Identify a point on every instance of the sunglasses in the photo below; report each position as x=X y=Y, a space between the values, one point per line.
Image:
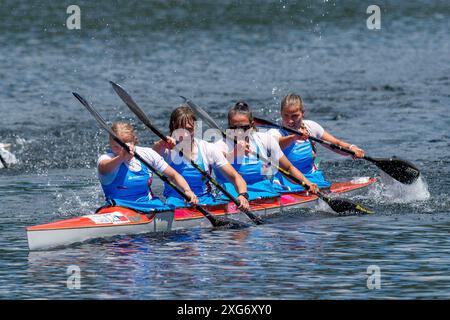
x=242 y=127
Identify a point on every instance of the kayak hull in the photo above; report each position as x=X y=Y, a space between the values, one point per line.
x=114 y=221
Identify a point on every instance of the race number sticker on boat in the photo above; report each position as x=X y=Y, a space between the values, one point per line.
x=113 y=217
x=360 y=180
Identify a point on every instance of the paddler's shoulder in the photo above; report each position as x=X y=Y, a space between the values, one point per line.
x=264 y=136
x=107 y=155
x=314 y=128
x=308 y=122
x=147 y=151
x=274 y=132
x=221 y=145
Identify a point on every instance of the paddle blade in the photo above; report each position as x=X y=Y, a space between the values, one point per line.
x=257 y=220
x=343 y=205
x=399 y=169
x=94 y=112
x=131 y=104
x=201 y=113
x=136 y=109
x=224 y=223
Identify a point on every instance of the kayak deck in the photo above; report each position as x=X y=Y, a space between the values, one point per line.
x=112 y=221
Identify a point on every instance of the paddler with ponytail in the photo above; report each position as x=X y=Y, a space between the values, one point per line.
x=126 y=181
x=298 y=149
x=204 y=154
x=248 y=153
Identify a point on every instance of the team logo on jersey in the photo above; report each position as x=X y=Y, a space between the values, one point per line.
x=134 y=165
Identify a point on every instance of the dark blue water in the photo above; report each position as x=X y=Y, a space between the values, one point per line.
x=386 y=91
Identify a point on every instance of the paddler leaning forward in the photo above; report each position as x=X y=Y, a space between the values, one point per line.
x=204 y=154
x=126 y=181
x=248 y=154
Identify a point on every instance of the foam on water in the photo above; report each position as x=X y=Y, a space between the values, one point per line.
x=7 y=156
x=322 y=206
x=388 y=190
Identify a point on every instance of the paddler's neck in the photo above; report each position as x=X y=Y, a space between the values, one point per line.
x=193 y=147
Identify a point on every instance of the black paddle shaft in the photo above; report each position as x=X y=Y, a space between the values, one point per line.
x=143 y=117
x=329 y=144
x=338 y=205
x=400 y=169
x=215 y=222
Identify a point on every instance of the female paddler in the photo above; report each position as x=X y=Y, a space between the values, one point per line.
x=204 y=154
x=126 y=180
x=247 y=156
x=299 y=149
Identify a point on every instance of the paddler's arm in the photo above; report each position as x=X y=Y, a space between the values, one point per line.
x=238 y=182
x=161 y=146
x=330 y=138
x=182 y=183
x=287 y=140
x=285 y=164
x=110 y=165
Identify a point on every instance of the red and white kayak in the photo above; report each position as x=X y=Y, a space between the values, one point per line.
x=113 y=221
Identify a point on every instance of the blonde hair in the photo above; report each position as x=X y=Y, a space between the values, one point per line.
x=292 y=99
x=125 y=130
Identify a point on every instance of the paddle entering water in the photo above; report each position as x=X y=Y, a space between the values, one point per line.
x=399 y=169
x=216 y=222
x=143 y=117
x=339 y=205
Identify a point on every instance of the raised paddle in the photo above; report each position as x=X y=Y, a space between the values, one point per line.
x=399 y=169
x=217 y=223
x=143 y=117
x=339 y=205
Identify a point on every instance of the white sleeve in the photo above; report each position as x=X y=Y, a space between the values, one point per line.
x=153 y=158
x=275 y=133
x=104 y=157
x=275 y=151
x=315 y=129
x=214 y=155
x=221 y=146
x=268 y=142
x=109 y=177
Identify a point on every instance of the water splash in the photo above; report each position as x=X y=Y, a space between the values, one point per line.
x=388 y=190
x=74 y=203
x=322 y=206
x=7 y=157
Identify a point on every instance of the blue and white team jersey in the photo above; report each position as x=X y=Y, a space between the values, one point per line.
x=300 y=154
x=129 y=184
x=207 y=157
x=256 y=173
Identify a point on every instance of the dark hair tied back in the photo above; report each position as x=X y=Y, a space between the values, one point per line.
x=241 y=107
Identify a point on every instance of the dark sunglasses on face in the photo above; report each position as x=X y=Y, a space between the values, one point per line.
x=242 y=127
